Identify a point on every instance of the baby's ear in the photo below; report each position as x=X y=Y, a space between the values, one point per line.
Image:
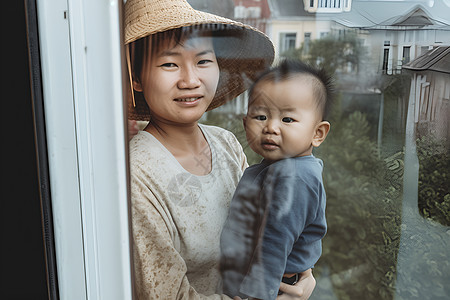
x=321 y=133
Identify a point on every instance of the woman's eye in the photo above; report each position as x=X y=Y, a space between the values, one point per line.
x=261 y=118
x=204 y=61
x=169 y=65
x=287 y=120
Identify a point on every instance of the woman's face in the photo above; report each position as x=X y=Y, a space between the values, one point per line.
x=179 y=81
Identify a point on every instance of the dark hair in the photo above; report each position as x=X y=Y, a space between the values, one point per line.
x=288 y=68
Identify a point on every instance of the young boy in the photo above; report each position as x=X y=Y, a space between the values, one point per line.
x=277 y=215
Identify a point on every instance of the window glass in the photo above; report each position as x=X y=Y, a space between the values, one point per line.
x=386 y=159
x=287 y=41
x=406 y=54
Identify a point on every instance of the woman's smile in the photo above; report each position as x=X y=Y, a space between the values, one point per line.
x=191 y=99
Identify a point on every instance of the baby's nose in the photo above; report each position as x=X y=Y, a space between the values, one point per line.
x=272 y=127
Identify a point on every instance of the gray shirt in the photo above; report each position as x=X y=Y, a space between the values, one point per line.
x=275 y=226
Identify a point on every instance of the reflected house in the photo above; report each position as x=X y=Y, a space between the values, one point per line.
x=288 y=23
x=295 y=23
x=430 y=93
x=392 y=33
x=400 y=39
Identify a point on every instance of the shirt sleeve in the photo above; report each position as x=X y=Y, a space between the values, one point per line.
x=238 y=238
x=160 y=271
x=292 y=203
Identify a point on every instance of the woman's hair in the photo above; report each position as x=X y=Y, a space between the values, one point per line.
x=323 y=85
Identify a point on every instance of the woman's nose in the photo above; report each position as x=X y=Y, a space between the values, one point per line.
x=272 y=127
x=189 y=79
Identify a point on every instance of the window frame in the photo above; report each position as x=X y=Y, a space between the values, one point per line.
x=85 y=121
x=285 y=41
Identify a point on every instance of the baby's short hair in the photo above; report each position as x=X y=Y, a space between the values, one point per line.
x=323 y=85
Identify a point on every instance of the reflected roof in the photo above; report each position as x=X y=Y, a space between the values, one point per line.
x=437 y=59
x=372 y=13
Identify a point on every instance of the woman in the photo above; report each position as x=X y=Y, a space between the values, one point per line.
x=183 y=62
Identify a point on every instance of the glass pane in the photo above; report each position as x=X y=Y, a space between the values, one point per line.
x=386 y=158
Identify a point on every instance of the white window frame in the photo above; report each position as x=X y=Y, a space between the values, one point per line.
x=81 y=57
x=404 y=47
x=283 y=40
x=327 y=6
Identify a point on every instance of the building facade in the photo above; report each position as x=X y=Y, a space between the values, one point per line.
x=429 y=95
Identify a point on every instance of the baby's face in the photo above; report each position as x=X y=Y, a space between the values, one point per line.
x=282 y=118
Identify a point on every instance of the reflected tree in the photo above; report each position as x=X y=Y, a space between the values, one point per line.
x=332 y=53
x=434 y=179
x=363 y=213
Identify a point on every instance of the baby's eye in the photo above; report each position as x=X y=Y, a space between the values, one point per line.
x=287 y=120
x=261 y=118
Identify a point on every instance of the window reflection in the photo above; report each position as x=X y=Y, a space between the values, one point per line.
x=387 y=156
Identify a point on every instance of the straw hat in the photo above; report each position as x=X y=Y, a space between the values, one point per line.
x=244 y=51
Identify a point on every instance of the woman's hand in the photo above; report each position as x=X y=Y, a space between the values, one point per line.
x=133 y=129
x=302 y=290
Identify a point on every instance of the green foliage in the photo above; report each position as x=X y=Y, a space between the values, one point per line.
x=434 y=179
x=331 y=52
x=363 y=212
